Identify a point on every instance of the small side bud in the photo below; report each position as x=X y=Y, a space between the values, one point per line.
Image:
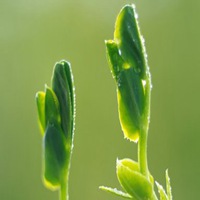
x=133 y=182
x=52 y=110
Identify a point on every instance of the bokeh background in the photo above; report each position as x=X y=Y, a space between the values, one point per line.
x=36 y=34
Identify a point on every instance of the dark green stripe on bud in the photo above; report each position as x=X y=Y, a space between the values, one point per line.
x=56 y=119
x=63 y=86
x=126 y=56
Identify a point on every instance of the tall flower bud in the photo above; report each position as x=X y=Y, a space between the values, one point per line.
x=126 y=55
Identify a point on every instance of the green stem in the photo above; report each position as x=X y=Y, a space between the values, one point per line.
x=64 y=191
x=64 y=187
x=142 y=153
x=142 y=145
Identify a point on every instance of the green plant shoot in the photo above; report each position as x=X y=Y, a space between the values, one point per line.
x=128 y=63
x=56 y=114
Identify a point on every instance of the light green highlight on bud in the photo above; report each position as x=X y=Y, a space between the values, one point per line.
x=133 y=182
x=40 y=101
x=131 y=164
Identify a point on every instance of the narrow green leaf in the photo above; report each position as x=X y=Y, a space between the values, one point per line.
x=55 y=156
x=133 y=182
x=161 y=191
x=40 y=101
x=168 y=185
x=116 y=192
x=63 y=86
x=129 y=39
x=52 y=110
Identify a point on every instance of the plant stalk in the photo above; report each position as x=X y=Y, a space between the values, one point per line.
x=142 y=145
x=142 y=153
x=64 y=194
x=64 y=191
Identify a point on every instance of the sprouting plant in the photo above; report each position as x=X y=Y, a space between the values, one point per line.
x=56 y=113
x=128 y=63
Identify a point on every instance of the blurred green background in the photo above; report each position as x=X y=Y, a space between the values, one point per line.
x=36 y=34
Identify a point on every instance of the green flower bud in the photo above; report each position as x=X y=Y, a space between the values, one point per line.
x=56 y=119
x=128 y=67
x=133 y=182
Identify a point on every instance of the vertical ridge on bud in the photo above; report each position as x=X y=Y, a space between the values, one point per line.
x=63 y=86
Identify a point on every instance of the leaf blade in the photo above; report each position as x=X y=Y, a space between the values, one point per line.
x=168 y=186
x=116 y=192
x=161 y=191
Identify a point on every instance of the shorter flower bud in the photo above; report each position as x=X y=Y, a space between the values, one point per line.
x=56 y=119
